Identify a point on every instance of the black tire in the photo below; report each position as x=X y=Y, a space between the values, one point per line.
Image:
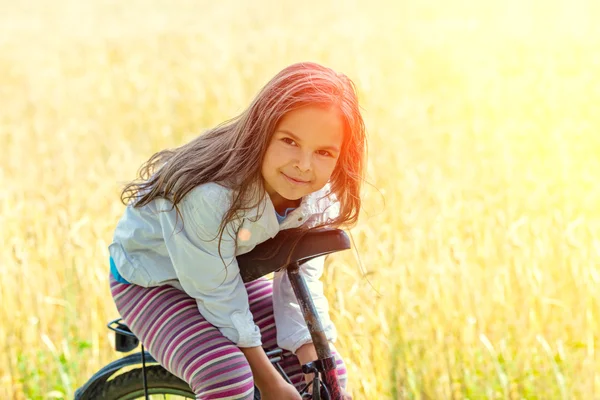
x=130 y=385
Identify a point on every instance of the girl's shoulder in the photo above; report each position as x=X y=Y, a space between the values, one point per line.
x=323 y=198
x=211 y=193
x=323 y=204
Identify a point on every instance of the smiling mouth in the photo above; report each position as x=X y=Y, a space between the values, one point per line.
x=296 y=181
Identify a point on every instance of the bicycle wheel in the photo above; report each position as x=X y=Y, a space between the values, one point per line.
x=129 y=385
x=161 y=385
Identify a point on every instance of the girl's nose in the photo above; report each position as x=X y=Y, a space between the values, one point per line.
x=304 y=163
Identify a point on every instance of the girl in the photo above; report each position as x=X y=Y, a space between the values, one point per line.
x=293 y=159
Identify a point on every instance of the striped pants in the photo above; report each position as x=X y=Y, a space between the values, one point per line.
x=174 y=332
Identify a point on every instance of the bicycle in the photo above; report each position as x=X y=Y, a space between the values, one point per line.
x=292 y=249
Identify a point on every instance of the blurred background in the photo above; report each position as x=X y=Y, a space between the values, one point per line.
x=480 y=235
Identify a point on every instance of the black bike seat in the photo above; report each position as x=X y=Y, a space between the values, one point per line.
x=276 y=253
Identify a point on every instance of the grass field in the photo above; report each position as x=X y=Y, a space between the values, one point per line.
x=480 y=234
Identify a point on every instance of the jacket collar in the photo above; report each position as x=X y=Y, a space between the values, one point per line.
x=310 y=205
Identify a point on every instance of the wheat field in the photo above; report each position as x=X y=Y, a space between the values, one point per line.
x=476 y=270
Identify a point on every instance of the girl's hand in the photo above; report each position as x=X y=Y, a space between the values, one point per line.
x=308 y=353
x=279 y=390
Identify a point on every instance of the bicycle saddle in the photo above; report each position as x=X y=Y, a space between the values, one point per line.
x=273 y=254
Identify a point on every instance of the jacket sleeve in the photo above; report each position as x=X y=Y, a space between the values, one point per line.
x=220 y=293
x=292 y=331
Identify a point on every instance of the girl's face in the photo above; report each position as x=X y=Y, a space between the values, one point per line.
x=302 y=154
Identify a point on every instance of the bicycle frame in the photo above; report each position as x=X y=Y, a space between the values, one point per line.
x=326 y=364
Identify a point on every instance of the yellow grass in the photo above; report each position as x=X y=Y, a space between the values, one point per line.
x=479 y=237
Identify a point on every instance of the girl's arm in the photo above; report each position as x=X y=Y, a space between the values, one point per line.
x=306 y=353
x=266 y=378
x=215 y=283
x=292 y=332
x=263 y=371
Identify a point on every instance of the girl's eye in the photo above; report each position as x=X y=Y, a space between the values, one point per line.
x=289 y=141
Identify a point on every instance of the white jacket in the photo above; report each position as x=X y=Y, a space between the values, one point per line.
x=152 y=248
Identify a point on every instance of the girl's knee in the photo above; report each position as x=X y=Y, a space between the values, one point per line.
x=224 y=377
x=342 y=372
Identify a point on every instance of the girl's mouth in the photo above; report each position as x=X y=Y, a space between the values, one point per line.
x=295 y=181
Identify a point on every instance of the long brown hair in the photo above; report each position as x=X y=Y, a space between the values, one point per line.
x=231 y=154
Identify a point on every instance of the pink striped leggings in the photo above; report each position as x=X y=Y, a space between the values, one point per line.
x=171 y=327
